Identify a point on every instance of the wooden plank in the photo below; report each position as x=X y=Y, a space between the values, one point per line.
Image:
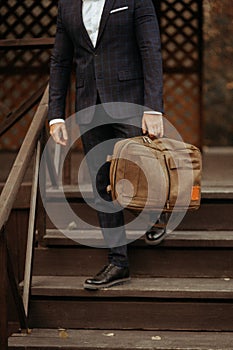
x=53 y=174
x=217 y=168
x=13 y=327
x=22 y=200
x=16 y=294
x=40 y=209
x=26 y=43
x=3 y=291
x=117 y=339
x=136 y=314
x=7 y=158
x=176 y=288
x=31 y=230
x=211 y=239
x=16 y=175
x=212 y=215
x=71 y=191
x=147 y=261
x=217 y=192
x=16 y=242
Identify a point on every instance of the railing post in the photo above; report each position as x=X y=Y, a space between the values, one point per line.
x=40 y=210
x=31 y=230
x=3 y=291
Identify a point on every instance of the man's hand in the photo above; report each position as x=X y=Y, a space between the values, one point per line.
x=59 y=133
x=153 y=125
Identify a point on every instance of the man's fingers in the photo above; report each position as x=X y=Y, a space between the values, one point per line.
x=144 y=128
x=64 y=132
x=59 y=133
x=153 y=124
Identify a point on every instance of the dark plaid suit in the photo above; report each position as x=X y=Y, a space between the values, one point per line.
x=125 y=65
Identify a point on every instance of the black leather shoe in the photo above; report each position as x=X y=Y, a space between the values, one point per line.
x=109 y=276
x=156 y=233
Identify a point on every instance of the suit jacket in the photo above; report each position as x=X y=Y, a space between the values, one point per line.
x=125 y=65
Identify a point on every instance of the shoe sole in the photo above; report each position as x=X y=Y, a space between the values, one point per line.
x=107 y=285
x=156 y=241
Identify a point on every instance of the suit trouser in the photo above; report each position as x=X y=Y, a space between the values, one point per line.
x=100 y=136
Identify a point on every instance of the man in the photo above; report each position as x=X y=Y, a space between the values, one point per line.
x=115 y=45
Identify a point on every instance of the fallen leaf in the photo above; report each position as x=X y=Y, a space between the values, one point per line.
x=157 y=337
x=72 y=226
x=108 y=334
x=63 y=334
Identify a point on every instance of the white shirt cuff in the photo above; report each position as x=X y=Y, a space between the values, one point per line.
x=57 y=120
x=153 y=112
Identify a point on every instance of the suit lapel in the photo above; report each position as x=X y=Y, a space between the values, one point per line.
x=83 y=29
x=106 y=12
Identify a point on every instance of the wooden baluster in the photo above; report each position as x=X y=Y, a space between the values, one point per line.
x=31 y=228
x=40 y=209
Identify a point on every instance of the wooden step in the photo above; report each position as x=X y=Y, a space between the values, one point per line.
x=182 y=254
x=75 y=192
x=180 y=239
x=212 y=215
x=144 y=303
x=52 y=339
x=176 y=288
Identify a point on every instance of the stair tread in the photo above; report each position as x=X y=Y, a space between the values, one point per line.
x=120 y=339
x=175 y=239
x=208 y=191
x=72 y=286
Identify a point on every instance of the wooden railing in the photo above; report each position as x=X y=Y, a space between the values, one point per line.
x=31 y=145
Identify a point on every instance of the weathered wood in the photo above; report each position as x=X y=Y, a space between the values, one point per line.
x=17 y=241
x=116 y=340
x=191 y=239
x=212 y=215
x=151 y=262
x=215 y=215
x=22 y=200
x=57 y=158
x=10 y=191
x=26 y=43
x=51 y=168
x=31 y=229
x=14 y=117
x=166 y=288
x=16 y=293
x=208 y=191
x=20 y=165
x=40 y=209
x=3 y=290
x=212 y=315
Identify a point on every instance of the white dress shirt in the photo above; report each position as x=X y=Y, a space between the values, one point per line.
x=91 y=12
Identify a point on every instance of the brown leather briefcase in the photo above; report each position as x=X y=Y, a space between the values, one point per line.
x=155 y=174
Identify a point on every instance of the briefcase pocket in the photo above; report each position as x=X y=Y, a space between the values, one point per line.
x=183 y=191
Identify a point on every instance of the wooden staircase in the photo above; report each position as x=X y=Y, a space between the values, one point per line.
x=180 y=295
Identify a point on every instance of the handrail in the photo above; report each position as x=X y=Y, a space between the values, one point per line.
x=26 y=43
x=7 y=200
x=22 y=160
